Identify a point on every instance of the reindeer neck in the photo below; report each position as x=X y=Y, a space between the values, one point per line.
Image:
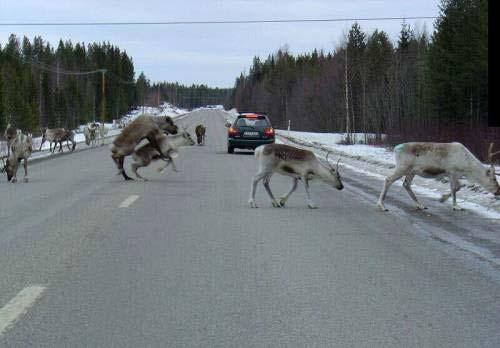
x=321 y=170
x=175 y=139
x=476 y=167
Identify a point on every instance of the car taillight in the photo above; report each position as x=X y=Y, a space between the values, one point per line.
x=234 y=131
x=269 y=131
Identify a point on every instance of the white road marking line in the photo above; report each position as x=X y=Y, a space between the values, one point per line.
x=19 y=305
x=127 y=202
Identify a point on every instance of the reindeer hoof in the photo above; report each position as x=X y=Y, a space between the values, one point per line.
x=457 y=208
x=420 y=207
x=253 y=205
x=282 y=202
x=14 y=180
x=276 y=204
x=26 y=179
x=312 y=206
x=382 y=207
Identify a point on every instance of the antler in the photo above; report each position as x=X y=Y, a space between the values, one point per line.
x=491 y=153
x=328 y=154
x=490 y=157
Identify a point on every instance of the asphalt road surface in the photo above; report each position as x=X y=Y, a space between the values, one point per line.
x=89 y=260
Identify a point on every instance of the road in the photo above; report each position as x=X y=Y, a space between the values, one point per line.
x=89 y=260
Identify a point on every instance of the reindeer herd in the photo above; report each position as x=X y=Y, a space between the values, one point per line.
x=150 y=138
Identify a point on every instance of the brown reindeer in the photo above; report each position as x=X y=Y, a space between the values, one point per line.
x=143 y=127
x=200 y=134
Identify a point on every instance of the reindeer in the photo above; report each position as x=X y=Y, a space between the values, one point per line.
x=436 y=160
x=291 y=161
x=143 y=127
x=147 y=153
x=57 y=135
x=91 y=134
x=68 y=136
x=103 y=131
x=21 y=148
x=200 y=134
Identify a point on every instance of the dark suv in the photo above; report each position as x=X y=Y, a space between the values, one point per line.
x=248 y=131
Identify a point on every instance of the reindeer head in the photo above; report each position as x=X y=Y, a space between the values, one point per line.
x=167 y=125
x=334 y=179
x=490 y=181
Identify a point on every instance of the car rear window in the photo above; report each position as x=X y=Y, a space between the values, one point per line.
x=252 y=122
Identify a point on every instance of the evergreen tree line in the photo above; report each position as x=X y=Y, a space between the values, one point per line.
x=44 y=86
x=418 y=89
x=188 y=97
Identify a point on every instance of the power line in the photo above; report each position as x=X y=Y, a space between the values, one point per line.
x=257 y=21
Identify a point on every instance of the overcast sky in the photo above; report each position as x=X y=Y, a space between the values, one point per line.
x=210 y=54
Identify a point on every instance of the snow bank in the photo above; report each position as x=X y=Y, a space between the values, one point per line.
x=164 y=109
x=378 y=162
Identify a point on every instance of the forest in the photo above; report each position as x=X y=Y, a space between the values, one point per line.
x=72 y=84
x=421 y=88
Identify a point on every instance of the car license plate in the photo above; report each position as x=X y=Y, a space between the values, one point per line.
x=251 y=134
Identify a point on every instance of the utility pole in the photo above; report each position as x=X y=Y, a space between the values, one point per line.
x=103 y=95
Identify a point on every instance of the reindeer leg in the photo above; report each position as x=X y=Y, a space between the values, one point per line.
x=292 y=189
x=258 y=177
x=162 y=169
x=26 y=178
x=121 y=159
x=265 y=182
x=136 y=166
x=407 y=185
x=152 y=140
x=455 y=187
x=174 y=168
x=310 y=203
x=387 y=183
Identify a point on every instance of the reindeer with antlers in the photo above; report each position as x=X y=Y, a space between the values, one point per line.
x=291 y=161
x=436 y=160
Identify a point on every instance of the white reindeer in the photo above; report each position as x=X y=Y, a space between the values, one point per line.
x=291 y=161
x=144 y=155
x=20 y=148
x=436 y=160
x=103 y=131
x=91 y=133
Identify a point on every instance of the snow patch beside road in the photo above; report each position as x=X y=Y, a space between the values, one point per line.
x=379 y=162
